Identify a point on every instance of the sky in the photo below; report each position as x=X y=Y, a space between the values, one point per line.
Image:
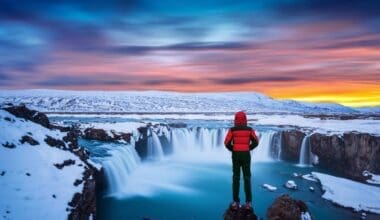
x=322 y=51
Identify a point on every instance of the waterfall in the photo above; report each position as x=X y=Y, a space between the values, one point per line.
x=263 y=151
x=189 y=143
x=306 y=157
x=121 y=162
x=154 y=146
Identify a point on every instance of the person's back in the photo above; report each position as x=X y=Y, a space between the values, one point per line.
x=241 y=139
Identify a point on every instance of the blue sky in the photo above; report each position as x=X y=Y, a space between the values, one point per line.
x=306 y=50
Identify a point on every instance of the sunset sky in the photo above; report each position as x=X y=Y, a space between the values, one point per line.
x=326 y=50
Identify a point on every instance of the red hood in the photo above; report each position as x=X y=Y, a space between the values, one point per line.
x=240 y=119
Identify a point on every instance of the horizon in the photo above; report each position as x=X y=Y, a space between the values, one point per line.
x=184 y=92
x=319 y=52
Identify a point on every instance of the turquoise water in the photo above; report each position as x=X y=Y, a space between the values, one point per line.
x=206 y=192
x=197 y=185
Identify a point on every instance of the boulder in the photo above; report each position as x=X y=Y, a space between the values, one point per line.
x=239 y=214
x=22 y=111
x=286 y=208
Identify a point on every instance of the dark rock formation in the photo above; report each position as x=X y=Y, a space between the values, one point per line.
x=286 y=208
x=64 y=163
x=240 y=214
x=291 y=142
x=28 y=139
x=55 y=142
x=178 y=125
x=9 y=145
x=102 y=135
x=141 y=144
x=23 y=112
x=84 y=204
x=349 y=155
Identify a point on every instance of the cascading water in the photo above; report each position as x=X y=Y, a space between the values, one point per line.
x=263 y=151
x=306 y=157
x=121 y=162
x=189 y=142
x=154 y=146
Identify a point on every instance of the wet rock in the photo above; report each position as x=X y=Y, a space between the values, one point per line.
x=286 y=208
x=54 y=142
x=348 y=155
x=178 y=125
x=9 y=145
x=64 y=163
x=239 y=214
x=96 y=134
x=292 y=141
x=22 y=111
x=102 y=135
x=28 y=139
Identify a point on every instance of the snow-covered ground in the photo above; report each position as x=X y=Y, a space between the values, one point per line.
x=126 y=127
x=31 y=187
x=160 y=102
x=348 y=193
x=331 y=126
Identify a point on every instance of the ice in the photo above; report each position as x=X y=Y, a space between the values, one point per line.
x=269 y=187
x=290 y=184
x=350 y=194
x=309 y=177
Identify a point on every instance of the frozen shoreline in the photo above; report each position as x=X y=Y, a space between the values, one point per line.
x=350 y=194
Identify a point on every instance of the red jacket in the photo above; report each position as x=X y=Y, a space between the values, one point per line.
x=241 y=137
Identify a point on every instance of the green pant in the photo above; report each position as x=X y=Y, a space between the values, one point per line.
x=241 y=160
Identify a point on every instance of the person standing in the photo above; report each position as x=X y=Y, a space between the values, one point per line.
x=240 y=140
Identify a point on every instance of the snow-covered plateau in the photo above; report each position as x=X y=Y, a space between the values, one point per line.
x=161 y=102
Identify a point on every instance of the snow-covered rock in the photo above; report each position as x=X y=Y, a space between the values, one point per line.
x=350 y=194
x=374 y=179
x=269 y=187
x=309 y=177
x=38 y=180
x=159 y=101
x=290 y=184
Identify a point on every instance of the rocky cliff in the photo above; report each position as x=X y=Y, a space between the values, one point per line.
x=348 y=154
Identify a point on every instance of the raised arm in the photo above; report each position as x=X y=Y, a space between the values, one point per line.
x=228 y=140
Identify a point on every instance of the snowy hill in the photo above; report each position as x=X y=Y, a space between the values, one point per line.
x=159 y=101
x=36 y=180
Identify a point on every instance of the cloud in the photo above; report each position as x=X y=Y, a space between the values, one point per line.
x=253 y=79
x=64 y=80
x=188 y=46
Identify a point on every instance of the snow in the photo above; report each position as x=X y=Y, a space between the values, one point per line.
x=305 y=216
x=309 y=177
x=30 y=178
x=350 y=194
x=269 y=187
x=375 y=179
x=160 y=101
x=126 y=127
x=290 y=184
x=324 y=126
